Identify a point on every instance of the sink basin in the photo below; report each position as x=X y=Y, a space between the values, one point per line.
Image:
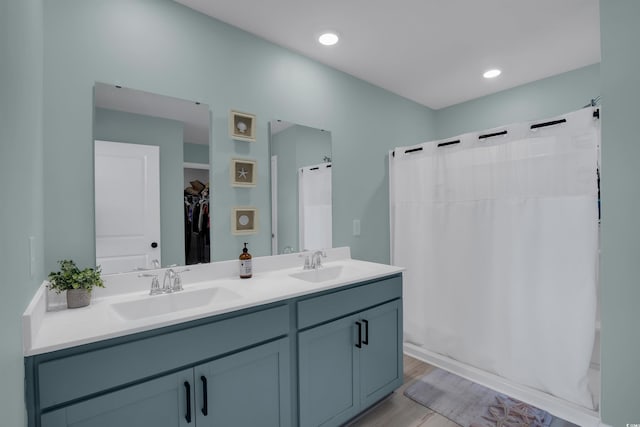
x=319 y=275
x=158 y=305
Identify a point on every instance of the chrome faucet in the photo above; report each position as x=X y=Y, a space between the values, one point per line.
x=313 y=261
x=175 y=281
x=307 y=261
x=155 y=284
x=316 y=259
x=170 y=274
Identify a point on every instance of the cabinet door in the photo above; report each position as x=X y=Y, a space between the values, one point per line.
x=157 y=403
x=249 y=388
x=381 y=353
x=328 y=391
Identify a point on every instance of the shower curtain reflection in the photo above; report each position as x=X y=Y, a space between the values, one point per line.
x=315 y=221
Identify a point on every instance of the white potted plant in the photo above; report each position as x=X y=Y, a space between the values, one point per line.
x=75 y=282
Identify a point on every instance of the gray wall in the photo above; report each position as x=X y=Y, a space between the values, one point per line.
x=118 y=126
x=21 y=207
x=620 y=269
x=163 y=47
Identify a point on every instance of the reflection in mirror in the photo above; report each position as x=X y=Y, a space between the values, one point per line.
x=300 y=188
x=151 y=180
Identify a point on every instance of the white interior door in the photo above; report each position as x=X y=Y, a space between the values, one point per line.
x=127 y=197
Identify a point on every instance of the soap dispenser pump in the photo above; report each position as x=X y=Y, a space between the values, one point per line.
x=245 y=263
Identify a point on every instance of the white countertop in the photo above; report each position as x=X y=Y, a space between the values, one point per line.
x=45 y=331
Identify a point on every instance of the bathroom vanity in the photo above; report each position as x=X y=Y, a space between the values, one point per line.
x=285 y=348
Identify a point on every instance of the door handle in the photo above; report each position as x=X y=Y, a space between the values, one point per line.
x=365 y=341
x=205 y=399
x=187 y=389
x=154 y=245
x=359 y=344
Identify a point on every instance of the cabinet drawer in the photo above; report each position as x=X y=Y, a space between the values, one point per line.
x=337 y=304
x=75 y=376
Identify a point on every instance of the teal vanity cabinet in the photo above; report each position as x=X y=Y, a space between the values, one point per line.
x=160 y=402
x=314 y=360
x=245 y=389
x=349 y=350
x=202 y=373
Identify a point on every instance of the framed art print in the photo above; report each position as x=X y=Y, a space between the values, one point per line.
x=244 y=220
x=243 y=172
x=242 y=126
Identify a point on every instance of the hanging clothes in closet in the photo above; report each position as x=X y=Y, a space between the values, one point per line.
x=197 y=226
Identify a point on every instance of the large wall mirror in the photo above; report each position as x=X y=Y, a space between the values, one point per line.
x=151 y=180
x=300 y=188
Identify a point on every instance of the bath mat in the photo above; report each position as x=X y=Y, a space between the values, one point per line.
x=472 y=405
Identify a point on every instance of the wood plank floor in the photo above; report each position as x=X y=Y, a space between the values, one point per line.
x=400 y=411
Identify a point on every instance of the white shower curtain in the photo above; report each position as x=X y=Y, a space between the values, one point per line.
x=314 y=209
x=499 y=238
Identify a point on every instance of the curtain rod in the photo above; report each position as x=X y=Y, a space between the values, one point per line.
x=444 y=144
x=315 y=168
x=596 y=114
x=490 y=135
x=545 y=124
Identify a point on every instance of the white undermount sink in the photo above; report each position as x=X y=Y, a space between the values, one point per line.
x=157 y=305
x=321 y=274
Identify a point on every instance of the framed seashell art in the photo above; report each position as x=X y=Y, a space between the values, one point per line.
x=242 y=126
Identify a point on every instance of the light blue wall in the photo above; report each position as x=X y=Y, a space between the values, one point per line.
x=296 y=146
x=190 y=56
x=196 y=153
x=118 y=126
x=538 y=100
x=283 y=145
x=620 y=269
x=162 y=47
x=21 y=210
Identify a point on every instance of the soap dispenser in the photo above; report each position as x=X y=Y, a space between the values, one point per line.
x=245 y=263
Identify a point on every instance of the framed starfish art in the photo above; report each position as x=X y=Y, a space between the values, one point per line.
x=243 y=172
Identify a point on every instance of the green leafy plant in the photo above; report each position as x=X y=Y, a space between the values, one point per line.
x=71 y=277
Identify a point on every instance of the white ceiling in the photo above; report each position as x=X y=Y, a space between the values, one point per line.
x=430 y=51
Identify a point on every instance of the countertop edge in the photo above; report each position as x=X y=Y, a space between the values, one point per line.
x=33 y=318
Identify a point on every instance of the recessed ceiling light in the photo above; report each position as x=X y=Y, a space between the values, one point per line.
x=492 y=73
x=328 y=39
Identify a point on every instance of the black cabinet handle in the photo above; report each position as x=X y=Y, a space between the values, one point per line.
x=154 y=245
x=365 y=341
x=359 y=345
x=205 y=399
x=187 y=389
